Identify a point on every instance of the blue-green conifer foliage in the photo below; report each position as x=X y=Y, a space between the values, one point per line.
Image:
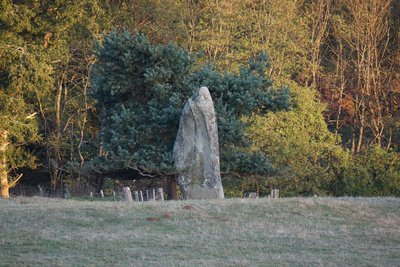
x=141 y=89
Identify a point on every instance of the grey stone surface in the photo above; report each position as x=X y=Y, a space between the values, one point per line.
x=196 y=149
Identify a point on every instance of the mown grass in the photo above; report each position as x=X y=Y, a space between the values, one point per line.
x=238 y=232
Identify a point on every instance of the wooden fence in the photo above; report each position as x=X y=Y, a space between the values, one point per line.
x=254 y=195
x=152 y=194
x=120 y=193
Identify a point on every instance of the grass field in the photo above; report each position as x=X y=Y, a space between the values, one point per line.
x=239 y=232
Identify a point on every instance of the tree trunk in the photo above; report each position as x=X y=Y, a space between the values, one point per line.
x=99 y=182
x=56 y=159
x=172 y=194
x=322 y=11
x=340 y=75
x=192 y=24
x=5 y=187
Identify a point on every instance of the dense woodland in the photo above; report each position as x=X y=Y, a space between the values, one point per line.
x=306 y=92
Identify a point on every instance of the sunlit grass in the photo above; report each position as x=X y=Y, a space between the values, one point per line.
x=239 y=232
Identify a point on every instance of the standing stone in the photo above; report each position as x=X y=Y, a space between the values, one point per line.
x=196 y=149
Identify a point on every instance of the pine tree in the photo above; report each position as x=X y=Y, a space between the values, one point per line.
x=20 y=76
x=141 y=88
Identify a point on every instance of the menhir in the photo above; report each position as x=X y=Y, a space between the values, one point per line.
x=196 y=149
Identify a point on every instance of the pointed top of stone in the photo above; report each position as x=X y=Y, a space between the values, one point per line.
x=202 y=94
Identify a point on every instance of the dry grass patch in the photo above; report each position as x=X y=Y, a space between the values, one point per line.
x=237 y=232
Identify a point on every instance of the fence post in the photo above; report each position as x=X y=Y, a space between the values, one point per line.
x=275 y=193
x=40 y=190
x=136 y=196
x=66 y=193
x=127 y=194
x=101 y=194
x=141 y=195
x=160 y=193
